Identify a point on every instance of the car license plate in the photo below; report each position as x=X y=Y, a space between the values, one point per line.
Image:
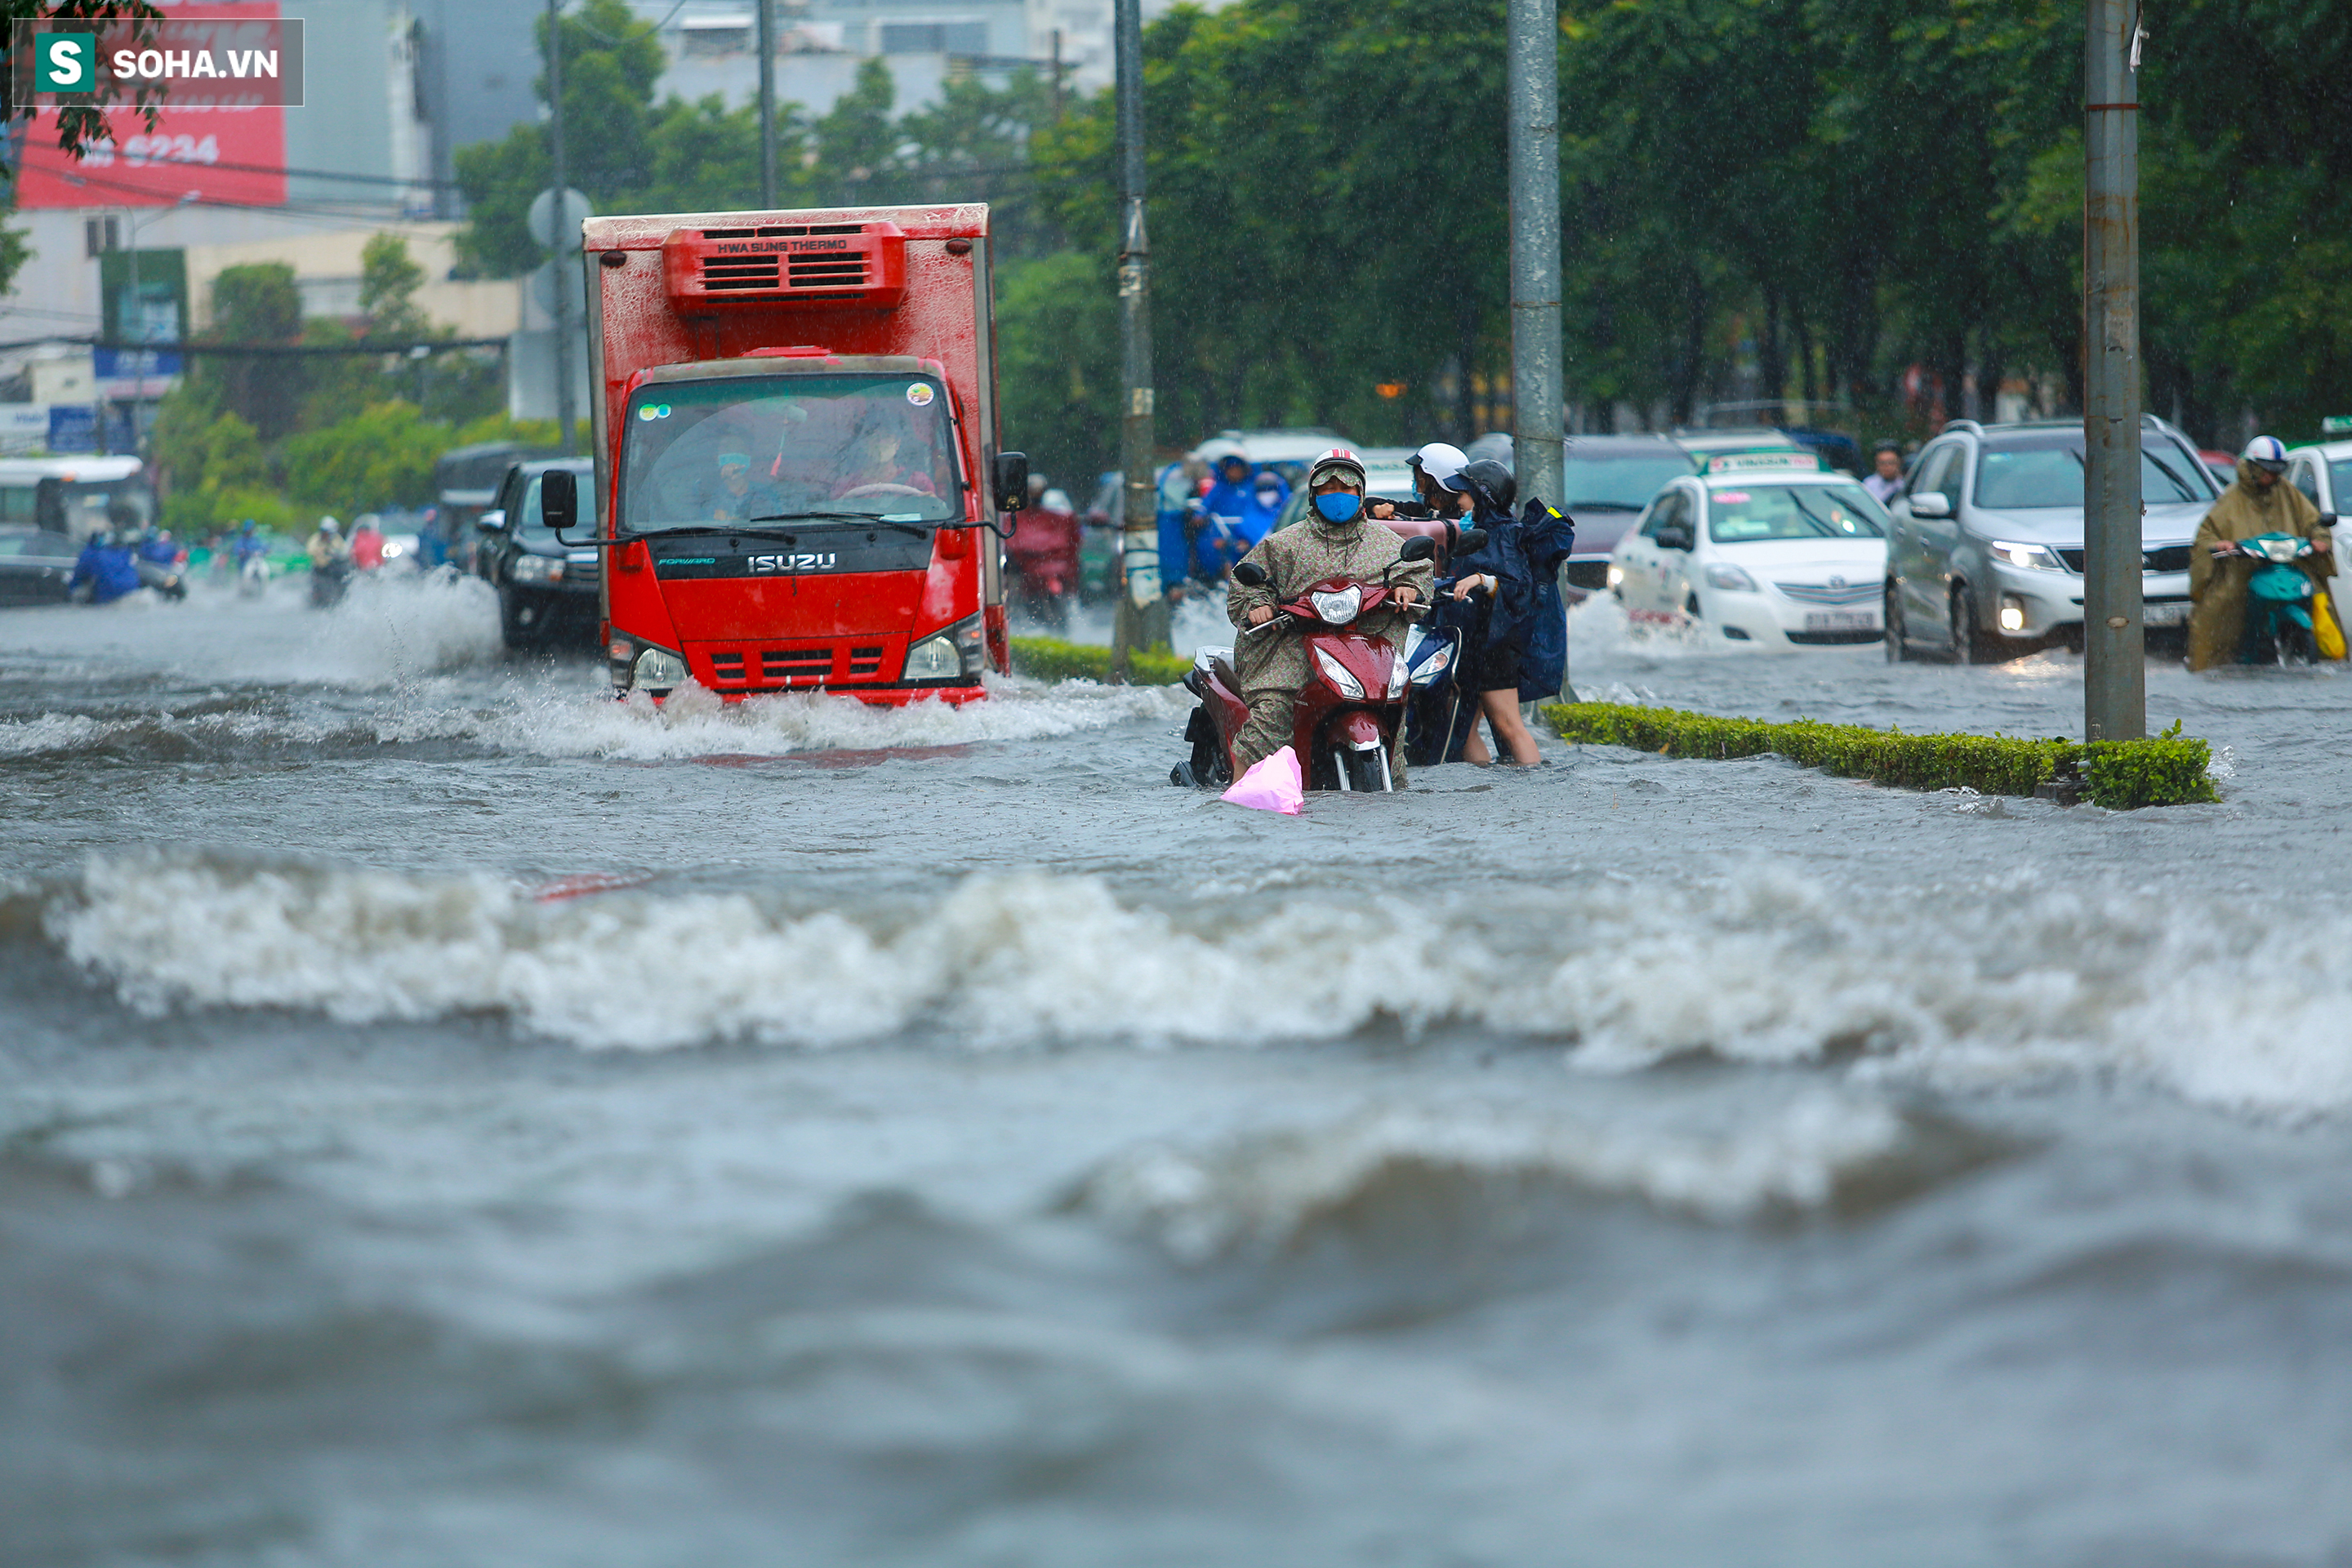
x=1841 y=621
x=2164 y=616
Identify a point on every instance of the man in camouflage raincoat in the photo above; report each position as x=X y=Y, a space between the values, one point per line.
x=2259 y=503
x=1273 y=664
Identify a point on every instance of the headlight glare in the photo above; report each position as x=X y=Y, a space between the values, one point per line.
x=2032 y=557
x=658 y=670
x=1337 y=609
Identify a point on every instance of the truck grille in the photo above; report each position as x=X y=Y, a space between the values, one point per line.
x=796 y=667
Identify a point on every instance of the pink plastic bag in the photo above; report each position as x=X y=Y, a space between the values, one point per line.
x=1273 y=784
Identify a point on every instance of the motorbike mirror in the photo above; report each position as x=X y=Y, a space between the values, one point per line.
x=1469 y=541
x=1012 y=479
x=1250 y=575
x=1419 y=547
x=559 y=499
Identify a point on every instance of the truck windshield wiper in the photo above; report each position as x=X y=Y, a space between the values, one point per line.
x=842 y=517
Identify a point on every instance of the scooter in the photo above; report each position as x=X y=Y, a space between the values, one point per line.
x=328 y=583
x=1346 y=719
x=2278 y=600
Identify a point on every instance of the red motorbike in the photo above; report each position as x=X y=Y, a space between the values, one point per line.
x=1346 y=719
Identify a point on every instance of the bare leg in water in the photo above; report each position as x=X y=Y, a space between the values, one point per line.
x=1502 y=712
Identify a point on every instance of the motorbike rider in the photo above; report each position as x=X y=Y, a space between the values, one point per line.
x=1180 y=486
x=1226 y=510
x=1497 y=645
x=1331 y=541
x=329 y=550
x=2257 y=503
x=106 y=569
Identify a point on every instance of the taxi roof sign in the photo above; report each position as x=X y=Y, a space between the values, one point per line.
x=2336 y=425
x=1742 y=462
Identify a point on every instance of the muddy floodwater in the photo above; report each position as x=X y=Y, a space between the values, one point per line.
x=449 y=1116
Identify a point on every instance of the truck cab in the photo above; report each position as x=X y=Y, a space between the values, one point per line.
x=797 y=447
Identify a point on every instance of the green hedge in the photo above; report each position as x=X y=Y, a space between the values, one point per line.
x=1050 y=658
x=2168 y=769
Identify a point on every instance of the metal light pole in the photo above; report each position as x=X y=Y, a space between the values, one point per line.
x=2115 y=668
x=1142 y=617
x=566 y=243
x=1534 y=91
x=767 y=103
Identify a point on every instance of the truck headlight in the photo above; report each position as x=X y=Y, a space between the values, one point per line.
x=954 y=657
x=658 y=669
x=2032 y=557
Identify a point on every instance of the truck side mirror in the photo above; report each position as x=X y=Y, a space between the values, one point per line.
x=559 y=499
x=1419 y=547
x=1012 y=481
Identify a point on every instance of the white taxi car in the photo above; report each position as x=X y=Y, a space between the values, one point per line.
x=1757 y=547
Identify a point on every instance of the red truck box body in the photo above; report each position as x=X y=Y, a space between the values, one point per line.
x=760 y=365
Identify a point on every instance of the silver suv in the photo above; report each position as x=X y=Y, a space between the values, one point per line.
x=1986 y=553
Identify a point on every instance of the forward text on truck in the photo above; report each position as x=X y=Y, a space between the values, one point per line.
x=796 y=434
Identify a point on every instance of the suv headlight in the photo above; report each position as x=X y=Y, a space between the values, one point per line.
x=537 y=569
x=2032 y=557
x=1721 y=574
x=952 y=658
x=658 y=669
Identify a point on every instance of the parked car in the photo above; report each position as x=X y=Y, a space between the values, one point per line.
x=36 y=565
x=1985 y=554
x=1606 y=481
x=546 y=590
x=1757 y=547
x=2324 y=474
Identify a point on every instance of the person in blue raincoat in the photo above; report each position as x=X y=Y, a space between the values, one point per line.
x=1179 y=486
x=1495 y=649
x=106 y=571
x=1225 y=515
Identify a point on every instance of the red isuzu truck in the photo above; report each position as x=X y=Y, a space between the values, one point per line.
x=796 y=450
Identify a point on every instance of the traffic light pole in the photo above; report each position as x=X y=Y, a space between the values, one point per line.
x=2114 y=664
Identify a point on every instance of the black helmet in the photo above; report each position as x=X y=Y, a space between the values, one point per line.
x=1490 y=485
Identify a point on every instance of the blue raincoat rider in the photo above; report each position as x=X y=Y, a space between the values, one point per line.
x=106 y=569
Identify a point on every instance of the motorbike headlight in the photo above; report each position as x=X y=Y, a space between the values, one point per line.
x=1435 y=663
x=658 y=669
x=2032 y=557
x=1721 y=574
x=1338 y=609
x=954 y=656
x=1337 y=673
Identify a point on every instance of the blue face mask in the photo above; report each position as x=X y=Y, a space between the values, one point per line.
x=1339 y=506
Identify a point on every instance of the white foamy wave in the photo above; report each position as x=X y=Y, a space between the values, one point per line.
x=48 y=734
x=1259 y=1191
x=694 y=724
x=1760 y=964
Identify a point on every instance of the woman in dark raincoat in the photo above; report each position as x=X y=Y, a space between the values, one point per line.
x=1495 y=652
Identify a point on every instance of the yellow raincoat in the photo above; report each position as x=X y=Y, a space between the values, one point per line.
x=2219 y=587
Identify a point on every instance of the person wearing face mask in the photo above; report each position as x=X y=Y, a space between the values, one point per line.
x=1333 y=539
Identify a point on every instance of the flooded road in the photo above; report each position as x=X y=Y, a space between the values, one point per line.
x=448 y=1116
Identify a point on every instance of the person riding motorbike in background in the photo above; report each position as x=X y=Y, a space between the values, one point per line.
x=1333 y=539
x=1497 y=645
x=2256 y=504
x=328 y=547
x=1226 y=513
x=106 y=569
x=1180 y=486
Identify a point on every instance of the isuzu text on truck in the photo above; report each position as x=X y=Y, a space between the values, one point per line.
x=796 y=442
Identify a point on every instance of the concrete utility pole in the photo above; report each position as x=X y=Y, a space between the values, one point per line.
x=2115 y=668
x=1142 y=619
x=566 y=248
x=1534 y=93
x=767 y=103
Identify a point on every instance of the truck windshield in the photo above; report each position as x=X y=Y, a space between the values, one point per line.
x=743 y=448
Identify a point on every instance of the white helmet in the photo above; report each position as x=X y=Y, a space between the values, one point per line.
x=1336 y=460
x=2266 y=452
x=1442 y=461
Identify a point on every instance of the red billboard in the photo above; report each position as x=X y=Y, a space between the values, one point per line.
x=225 y=152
